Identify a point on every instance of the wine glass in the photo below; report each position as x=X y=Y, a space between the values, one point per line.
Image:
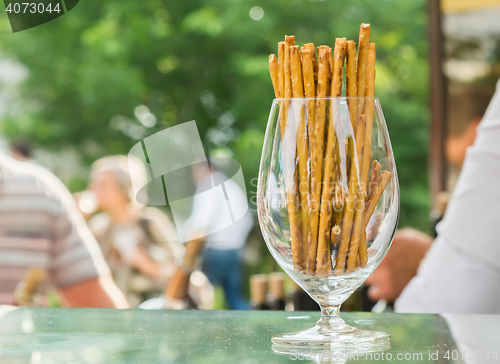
x=328 y=206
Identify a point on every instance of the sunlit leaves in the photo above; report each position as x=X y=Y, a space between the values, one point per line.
x=205 y=60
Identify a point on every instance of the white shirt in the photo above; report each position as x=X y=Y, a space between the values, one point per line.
x=207 y=215
x=477 y=337
x=461 y=272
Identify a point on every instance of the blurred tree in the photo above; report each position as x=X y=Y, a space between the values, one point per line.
x=207 y=60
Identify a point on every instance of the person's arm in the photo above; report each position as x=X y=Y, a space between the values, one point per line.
x=164 y=237
x=400 y=264
x=461 y=271
x=95 y=292
x=164 y=233
x=77 y=267
x=143 y=262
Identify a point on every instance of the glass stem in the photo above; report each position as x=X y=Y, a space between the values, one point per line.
x=330 y=320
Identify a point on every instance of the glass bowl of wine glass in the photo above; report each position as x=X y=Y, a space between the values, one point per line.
x=328 y=207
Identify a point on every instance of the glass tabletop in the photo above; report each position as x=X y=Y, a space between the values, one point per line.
x=65 y=335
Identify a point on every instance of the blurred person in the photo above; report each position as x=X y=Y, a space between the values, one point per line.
x=139 y=243
x=465 y=111
x=221 y=256
x=461 y=270
x=400 y=265
x=21 y=150
x=410 y=246
x=41 y=227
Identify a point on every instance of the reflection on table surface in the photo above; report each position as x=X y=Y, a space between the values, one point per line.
x=58 y=335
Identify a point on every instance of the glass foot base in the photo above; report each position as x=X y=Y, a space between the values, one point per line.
x=343 y=344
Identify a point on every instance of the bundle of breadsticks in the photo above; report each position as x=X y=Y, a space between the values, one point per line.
x=328 y=219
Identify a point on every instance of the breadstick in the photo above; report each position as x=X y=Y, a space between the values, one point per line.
x=302 y=148
x=273 y=70
x=364 y=40
x=317 y=157
x=363 y=251
x=323 y=263
x=338 y=204
x=289 y=41
x=336 y=230
x=354 y=190
x=347 y=222
x=351 y=82
x=372 y=186
x=383 y=181
x=308 y=57
x=357 y=231
x=276 y=69
x=339 y=198
x=350 y=241
x=310 y=91
x=372 y=181
x=368 y=111
x=367 y=153
x=281 y=68
x=312 y=49
x=330 y=74
x=365 y=159
x=340 y=192
x=330 y=61
x=281 y=84
x=291 y=178
x=295 y=227
x=335 y=236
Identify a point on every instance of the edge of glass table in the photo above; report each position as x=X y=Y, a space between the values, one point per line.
x=79 y=335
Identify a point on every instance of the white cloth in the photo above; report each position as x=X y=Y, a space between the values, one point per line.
x=461 y=272
x=206 y=214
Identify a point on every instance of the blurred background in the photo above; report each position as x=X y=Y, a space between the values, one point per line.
x=96 y=81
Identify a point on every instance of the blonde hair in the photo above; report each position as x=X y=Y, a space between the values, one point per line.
x=119 y=166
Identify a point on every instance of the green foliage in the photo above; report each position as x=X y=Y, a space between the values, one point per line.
x=207 y=60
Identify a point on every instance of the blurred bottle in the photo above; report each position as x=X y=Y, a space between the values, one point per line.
x=26 y=291
x=302 y=301
x=276 y=297
x=438 y=211
x=258 y=292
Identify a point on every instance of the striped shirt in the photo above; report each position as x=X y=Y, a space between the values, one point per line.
x=40 y=226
